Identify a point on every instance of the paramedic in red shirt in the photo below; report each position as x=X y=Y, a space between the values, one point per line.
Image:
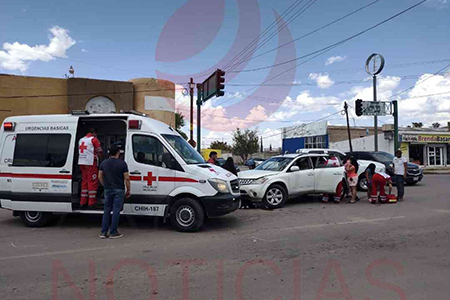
x=89 y=153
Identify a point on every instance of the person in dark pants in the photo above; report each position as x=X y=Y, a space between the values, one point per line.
x=400 y=168
x=113 y=176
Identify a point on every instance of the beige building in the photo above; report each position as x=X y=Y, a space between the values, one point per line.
x=24 y=95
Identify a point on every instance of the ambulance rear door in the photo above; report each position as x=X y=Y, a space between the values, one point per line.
x=41 y=170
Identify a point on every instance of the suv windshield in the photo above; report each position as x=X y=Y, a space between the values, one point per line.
x=383 y=156
x=189 y=155
x=275 y=164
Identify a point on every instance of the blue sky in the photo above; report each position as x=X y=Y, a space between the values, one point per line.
x=122 y=40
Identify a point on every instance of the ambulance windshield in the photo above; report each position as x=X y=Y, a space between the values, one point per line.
x=189 y=155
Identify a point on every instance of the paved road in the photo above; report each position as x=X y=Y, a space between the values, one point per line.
x=307 y=250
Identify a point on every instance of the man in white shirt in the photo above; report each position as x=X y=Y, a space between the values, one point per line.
x=400 y=168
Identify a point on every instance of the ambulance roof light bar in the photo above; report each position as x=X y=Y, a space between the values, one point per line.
x=134 y=124
x=9 y=126
x=79 y=112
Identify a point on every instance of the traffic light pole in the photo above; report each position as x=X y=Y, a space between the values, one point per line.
x=191 y=93
x=199 y=118
x=375 y=118
x=348 y=127
x=396 y=141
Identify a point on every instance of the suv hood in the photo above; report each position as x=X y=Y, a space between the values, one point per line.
x=207 y=171
x=254 y=174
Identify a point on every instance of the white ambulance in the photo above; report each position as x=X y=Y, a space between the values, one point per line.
x=39 y=172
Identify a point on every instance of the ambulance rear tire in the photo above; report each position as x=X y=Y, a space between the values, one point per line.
x=34 y=218
x=187 y=215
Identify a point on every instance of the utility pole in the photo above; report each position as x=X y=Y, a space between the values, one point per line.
x=375 y=118
x=191 y=93
x=199 y=127
x=396 y=141
x=348 y=127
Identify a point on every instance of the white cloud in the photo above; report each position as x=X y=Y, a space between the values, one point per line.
x=272 y=137
x=84 y=50
x=333 y=59
x=323 y=80
x=18 y=56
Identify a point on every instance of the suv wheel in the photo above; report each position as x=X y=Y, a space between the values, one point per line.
x=275 y=197
x=187 y=215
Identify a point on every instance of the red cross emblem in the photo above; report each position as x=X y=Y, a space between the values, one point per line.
x=83 y=147
x=149 y=178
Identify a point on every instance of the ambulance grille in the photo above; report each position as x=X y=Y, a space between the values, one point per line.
x=235 y=186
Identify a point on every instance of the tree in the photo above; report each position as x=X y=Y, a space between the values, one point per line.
x=436 y=125
x=179 y=123
x=245 y=142
x=220 y=146
x=417 y=124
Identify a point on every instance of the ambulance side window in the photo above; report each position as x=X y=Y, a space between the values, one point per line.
x=150 y=151
x=41 y=150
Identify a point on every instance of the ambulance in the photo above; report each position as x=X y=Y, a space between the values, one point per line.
x=39 y=172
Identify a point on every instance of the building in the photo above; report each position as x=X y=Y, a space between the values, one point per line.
x=424 y=146
x=319 y=135
x=24 y=95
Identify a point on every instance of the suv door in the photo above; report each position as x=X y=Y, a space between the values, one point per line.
x=151 y=177
x=326 y=177
x=301 y=181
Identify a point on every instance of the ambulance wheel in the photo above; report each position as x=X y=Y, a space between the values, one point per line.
x=187 y=215
x=275 y=197
x=34 y=218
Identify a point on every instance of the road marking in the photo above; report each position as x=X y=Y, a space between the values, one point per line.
x=445 y=211
x=343 y=223
x=56 y=253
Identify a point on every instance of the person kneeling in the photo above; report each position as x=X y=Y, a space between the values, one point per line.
x=379 y=181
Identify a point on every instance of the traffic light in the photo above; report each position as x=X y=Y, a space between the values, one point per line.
x=220 y=77
x=359 y=107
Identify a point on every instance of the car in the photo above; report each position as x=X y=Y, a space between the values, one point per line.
x=363 y=164
x=252 y=163
x=221 y=161
x=287 y=176
x=414 y=172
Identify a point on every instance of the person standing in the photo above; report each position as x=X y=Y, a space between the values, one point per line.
x=229 y=166
x=400 y=169
x=213 y=158
x=352 y=175
x=114 y=177
x=89 y=153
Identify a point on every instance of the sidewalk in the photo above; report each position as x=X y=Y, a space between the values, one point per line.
x=436 y=171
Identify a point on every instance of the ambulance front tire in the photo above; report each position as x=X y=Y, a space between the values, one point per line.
x=187 y=215
x=34 y=218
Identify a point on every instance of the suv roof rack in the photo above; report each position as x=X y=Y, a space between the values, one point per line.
x=79 y=112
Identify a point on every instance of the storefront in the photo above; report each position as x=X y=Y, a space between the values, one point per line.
x=427 y=148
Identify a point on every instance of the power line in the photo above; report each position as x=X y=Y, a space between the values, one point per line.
x=290 y=20
x=312 y=32
x=338 y=43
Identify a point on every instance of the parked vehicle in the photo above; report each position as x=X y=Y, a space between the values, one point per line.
x=39 y=174
x=414 y=172
x=252 y=163
x=287 y=176
x=221 y=161
x=363 y=164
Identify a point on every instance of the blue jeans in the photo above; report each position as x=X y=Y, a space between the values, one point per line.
x=113 y=203
x=400 y=183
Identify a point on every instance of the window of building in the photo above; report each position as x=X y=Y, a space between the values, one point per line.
x=315 y=142
x=41 y=150
x=150 y=151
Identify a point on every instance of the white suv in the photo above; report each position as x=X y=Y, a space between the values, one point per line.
x=363 y=164
x=287 y=176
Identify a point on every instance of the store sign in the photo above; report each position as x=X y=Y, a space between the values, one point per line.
x=425 y=138
x=305 y=130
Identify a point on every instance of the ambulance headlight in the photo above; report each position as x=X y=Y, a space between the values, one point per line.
x=220 y=185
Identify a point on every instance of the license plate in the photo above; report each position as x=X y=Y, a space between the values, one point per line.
x=416 y=178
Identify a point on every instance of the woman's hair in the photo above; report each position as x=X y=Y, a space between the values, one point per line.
x=229 y=164
x=354 y=162
x=371 y=167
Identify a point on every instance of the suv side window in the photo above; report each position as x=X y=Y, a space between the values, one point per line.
x=365 y=156
x=303 y=163
x=149 y=150
x=41 y=150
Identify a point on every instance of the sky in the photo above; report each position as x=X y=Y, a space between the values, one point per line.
x=265 y=90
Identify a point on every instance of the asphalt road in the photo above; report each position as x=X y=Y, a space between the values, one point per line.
x=307 y=250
